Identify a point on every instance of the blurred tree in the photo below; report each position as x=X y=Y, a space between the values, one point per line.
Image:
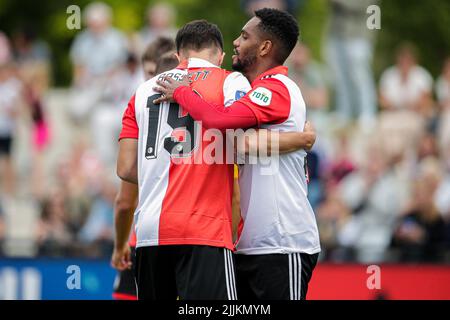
x=424 y=23
x=312 y=21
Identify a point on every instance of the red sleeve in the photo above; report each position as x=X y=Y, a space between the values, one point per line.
x=129 y=124
x=269 y=100
x=238 y=115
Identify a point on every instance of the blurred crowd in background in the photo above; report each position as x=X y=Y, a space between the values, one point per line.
x=379 y=171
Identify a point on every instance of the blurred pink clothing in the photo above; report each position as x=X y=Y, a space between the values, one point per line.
x=41 y=135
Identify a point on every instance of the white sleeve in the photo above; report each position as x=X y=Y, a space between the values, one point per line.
x=235 y=87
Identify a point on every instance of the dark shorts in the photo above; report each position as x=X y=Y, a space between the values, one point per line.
x=5 y=146
x=125 y=284
x=274 y=276
x=189 y=272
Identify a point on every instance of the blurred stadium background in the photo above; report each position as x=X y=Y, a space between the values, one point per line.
x=380 y=169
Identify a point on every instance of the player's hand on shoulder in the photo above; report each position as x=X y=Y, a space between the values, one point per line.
x=167 y=87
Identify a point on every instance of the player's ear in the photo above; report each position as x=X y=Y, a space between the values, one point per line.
x=222 y=56
x=265 y=48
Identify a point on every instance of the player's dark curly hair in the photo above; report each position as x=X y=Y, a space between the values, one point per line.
x=281 y=27
x=198 y=35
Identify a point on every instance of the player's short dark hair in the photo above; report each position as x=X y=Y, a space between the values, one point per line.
x=157 y=48
x=166 y=62
x=197 y=35
x=281 y=27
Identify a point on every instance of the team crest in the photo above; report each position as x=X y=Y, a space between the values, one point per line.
x=239 y=94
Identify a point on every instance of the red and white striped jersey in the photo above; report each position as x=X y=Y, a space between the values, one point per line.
x=276 y=214
x=181 y=203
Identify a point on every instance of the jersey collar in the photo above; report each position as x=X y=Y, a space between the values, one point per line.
x=271 y=72
x=195 y=63
x=200 y=63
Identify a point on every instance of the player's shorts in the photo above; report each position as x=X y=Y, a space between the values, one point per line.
x=125 y=284
x=189 y=272
x=274 y=276
x=5 y=146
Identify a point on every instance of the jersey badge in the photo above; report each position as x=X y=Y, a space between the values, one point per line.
x=239 y=94
x=261 y=96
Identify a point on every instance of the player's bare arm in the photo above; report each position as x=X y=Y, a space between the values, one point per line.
x=274 y=142
x=127 y=160
x=293 y=141
x=124 y=206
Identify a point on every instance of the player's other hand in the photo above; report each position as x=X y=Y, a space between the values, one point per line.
x=167 y=87
x=121 y=258
x=311 y=135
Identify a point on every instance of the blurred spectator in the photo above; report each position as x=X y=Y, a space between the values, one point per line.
x=341 y=163
x=308 y=75
x=315 y=186
x=161 y=18
x=98 y=50
x=53 y=235
x=405 y=95
x=376 y=193
x=427 y=147
x=77 y=216
x=105 y=77
x=420 y=233
x=10 y=100
x=96 y=53
x=349 y=51
x=332 y=216
x=33 y=58
x=442 y=195
x=153 y=52
x=443 y=99
x=35 y=73
x=97 y=232
x=75 y=178
x=107 y=115
x=27 y=47
x=406 y=86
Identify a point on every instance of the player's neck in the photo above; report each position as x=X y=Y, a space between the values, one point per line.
x=203 y=54
x=259 y=68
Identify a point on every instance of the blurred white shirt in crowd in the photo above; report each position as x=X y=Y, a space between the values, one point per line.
x=404 y=93
x=99 y=53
